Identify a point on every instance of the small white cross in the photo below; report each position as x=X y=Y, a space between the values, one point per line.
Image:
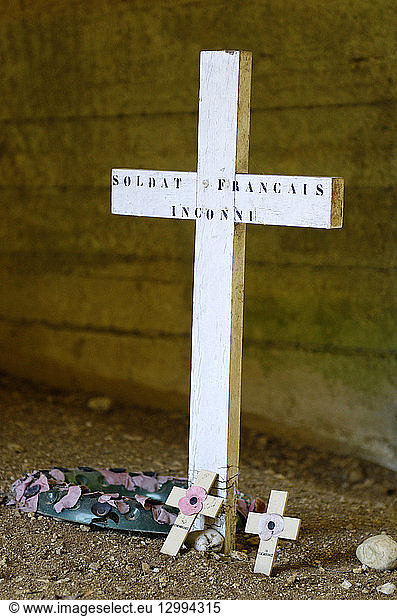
x=210 y=506
x=271 y=526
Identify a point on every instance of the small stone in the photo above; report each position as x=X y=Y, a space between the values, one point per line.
x=378 y=552
x=356 y=475
x=262 y=441
x=208 y=540
x=132 y=437
x=101 y=404
x=238 y=555
x=84 y=528
x=15 y=448
x=95 y=566
x=62 y=580
x=358 y=570
x=155 y=569
x=291 y=579
x=145 y=567
x=346 y=584
x=386 y=589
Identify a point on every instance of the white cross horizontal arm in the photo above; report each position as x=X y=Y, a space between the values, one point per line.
x=291 y=528
x=252 y=525
x=297 y=201
x=175 y=496
x=159 y=194
x=211 y=505
x=205 y=479
x=290 y=531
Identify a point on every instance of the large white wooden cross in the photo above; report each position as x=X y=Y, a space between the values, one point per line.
x=221 y=197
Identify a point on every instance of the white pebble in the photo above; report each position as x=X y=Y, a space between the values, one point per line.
x=238 y=555
x=100 y=404
x=346 y=584
x=208 y=540
x=378 y=552
x=386 y=589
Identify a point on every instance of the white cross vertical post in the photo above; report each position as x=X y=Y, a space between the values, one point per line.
x=271 y=526
x=218 y=291
x=221 y=197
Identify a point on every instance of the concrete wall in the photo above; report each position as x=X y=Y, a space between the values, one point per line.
x=101 y=302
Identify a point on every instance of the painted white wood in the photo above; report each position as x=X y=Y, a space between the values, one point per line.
x=161 y=194
x=265 y=556
x=252 y=523
x=267 y=549
x=284 y=200
x=217 y=198
x=177 y=534
x=258 y=199
x=183 y=523
x=175 y=496
x=291 y=528
x=213 y=263
x=277 y=502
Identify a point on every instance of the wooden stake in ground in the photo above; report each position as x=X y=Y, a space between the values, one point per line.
x=271 y=526
x=190 y=502
x=221 y=197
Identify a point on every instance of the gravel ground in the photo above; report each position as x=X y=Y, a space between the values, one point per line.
x=341 y=501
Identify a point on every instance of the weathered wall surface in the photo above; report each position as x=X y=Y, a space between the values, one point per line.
x=104 y=302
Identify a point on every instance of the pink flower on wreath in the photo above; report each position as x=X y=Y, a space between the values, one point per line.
x=270 y=525
x=192 y=503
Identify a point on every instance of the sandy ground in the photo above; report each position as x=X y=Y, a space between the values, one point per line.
x=340 y=500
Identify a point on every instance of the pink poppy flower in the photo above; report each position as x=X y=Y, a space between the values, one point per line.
x=162 y=516
x=69 y=500
x=192 y=503
x=104 y=498
x=58 y=475
x=27 y=491
x=270 y=525
x=121 y=503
